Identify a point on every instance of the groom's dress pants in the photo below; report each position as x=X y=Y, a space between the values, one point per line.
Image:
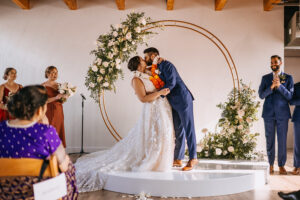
x=282 y=128
x=184 y=128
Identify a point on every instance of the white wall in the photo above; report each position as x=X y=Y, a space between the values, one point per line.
x=50 y=34
x=292 y=66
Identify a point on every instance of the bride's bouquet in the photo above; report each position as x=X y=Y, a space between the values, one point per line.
x=67 y=89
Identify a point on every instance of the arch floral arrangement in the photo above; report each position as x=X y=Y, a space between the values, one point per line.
x=234 y=140
x=112 y=50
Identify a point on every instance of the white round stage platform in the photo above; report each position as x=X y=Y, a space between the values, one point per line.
x=209 y=178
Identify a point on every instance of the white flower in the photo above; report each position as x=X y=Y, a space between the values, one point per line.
x=241 y=113
x=206 y=153
x=143 y=21
x=240 y=127
x=204 y=130
x=99 y=44
x=245 y=140
x=99 y=79
x=110 y=43
x=138 y=29
x=125 y=49
x=115 y=33
x=118 y=66
x=61 y=91
x=94 y=68
x=128 y=36
x=106 y=84
x=225 y=152
x=218 y=151
x=105 y=64
x=91 y=85
x=231 y=130
x=118 y=61
x=102 y=71
x=248 y=120
x=230 y=149
x=133 y=43
x=110 y=55
x=99 y=61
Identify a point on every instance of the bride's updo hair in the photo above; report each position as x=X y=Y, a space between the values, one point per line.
x=25 y=103
x=133 y=63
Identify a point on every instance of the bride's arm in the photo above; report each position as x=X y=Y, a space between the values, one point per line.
x=141 y=92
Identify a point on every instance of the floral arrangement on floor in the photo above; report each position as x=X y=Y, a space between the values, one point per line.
x=114 y=48
x=234 y=140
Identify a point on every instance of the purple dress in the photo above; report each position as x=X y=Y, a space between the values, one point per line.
x=31 y=141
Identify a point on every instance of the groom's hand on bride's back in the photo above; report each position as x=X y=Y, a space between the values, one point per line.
x=164 y=92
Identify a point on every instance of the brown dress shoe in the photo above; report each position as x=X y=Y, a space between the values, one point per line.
x=271 y=169
x=282 y=171
x=177 y=163
x=190 y=165
x=296 y=171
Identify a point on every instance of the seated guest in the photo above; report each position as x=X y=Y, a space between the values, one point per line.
x=7 y=90
x=24 y=137
x=55 y=113
x=296 y=119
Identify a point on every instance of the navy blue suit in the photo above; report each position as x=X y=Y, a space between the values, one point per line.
x=296 y=120
x=181 y=100
x=276 y=114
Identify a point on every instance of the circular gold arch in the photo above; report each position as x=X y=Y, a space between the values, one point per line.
x=185 y=25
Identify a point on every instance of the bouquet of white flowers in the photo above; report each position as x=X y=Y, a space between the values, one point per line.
x=67 y=89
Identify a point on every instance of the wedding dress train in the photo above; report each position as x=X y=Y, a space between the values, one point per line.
x=149 y=146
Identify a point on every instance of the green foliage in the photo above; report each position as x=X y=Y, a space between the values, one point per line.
x=114 y=48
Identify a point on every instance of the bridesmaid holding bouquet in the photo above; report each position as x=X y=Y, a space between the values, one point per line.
x=8 y=89
x=55 y=113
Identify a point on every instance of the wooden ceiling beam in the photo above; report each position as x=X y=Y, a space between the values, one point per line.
x=268 y=4
x=72 y=4
x=24 y=4
x=120 y=4
x=219 y=4
x=170 y=4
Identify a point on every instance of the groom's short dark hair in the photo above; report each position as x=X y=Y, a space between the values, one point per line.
x=276 y=56
x=151 y=50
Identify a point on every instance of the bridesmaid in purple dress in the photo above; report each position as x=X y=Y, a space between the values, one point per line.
x=24 y=137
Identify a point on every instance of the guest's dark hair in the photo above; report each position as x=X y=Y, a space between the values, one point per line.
x=26 y=102
x=151 y=50
x=276 y=56
x=133 y=63
x=49 y=70
x=6 y=72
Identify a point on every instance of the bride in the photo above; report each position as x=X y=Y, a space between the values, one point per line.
x=149 y=145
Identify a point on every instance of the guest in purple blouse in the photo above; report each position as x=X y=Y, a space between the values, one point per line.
x=24 y=137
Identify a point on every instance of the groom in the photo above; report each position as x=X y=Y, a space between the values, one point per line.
x=181 y=100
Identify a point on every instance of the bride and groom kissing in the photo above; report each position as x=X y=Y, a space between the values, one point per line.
x=149 y=145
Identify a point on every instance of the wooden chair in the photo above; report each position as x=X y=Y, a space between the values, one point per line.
x=27 y=167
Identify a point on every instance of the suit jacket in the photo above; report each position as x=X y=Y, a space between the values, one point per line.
x=296 y=102
x=180 y=96
x=276 y=105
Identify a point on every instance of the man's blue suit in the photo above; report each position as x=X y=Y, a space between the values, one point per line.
x=181 y=100
x=296 y=120
x=276 y=114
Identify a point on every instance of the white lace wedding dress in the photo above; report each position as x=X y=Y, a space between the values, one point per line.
x=149 y=146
